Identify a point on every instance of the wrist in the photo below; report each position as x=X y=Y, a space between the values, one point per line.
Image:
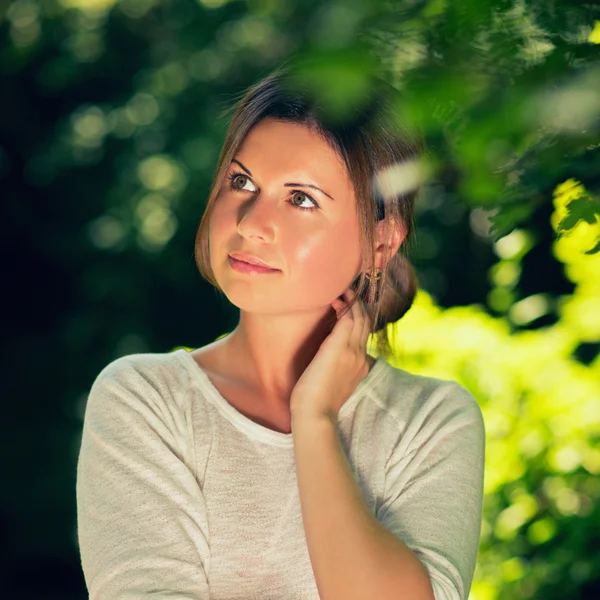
x=308 y=415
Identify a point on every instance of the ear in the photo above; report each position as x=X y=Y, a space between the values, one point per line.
x=398 y=233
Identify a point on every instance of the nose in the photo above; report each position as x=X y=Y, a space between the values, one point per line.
x=256 y=217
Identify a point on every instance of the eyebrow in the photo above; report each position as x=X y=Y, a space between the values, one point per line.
x=308 y=185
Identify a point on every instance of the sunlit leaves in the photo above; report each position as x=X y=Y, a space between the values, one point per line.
x=542 y=416
x=573 y=204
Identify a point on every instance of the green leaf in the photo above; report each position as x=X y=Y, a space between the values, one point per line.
x=585 y=208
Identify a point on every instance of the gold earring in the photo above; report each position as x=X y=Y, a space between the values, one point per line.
x=370 y=277
x=376 y=277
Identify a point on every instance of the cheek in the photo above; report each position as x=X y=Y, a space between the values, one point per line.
x=326 y=262
x=221 y=224
x=219 y=215
x=219 y=241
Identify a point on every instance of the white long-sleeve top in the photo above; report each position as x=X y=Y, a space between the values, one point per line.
x=181 y=496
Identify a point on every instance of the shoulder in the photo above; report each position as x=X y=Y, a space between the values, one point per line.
x=407 y=397
x=145 y=377
x=151 y=366
x=139 y=404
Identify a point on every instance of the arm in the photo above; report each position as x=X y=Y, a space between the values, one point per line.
x=141 y=520
x=434 y=488
x=353 y=556
x=425 y=540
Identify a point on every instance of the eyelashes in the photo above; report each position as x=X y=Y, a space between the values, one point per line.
x=235 y=174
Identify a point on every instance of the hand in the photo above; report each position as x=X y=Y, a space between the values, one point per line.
x=338 y=367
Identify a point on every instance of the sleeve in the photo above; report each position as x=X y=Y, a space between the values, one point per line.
x=434 y=488
x=141 y=518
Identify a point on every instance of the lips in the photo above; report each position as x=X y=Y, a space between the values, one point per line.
x=251 y=260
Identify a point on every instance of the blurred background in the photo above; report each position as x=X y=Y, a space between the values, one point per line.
x=109 y=136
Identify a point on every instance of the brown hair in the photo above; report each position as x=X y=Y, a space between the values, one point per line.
x=370 y=141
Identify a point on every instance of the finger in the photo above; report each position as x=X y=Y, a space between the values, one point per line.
x=359 y=322
x=337 y=305
x=365 y=321
x=366 y=330
x=349 y=313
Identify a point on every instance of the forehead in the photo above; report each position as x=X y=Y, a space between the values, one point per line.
x=272 y=147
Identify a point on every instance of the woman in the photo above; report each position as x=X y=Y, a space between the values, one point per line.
x=282 y=461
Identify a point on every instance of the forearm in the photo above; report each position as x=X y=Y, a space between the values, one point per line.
x=353 y=556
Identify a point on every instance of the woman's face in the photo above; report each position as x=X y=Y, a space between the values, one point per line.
x=258 y=212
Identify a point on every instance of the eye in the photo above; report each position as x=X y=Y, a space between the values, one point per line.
x=235 y=176
x=232 y=181
x=309 y=198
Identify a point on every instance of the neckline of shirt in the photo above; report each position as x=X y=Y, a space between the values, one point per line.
x=253 y=428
